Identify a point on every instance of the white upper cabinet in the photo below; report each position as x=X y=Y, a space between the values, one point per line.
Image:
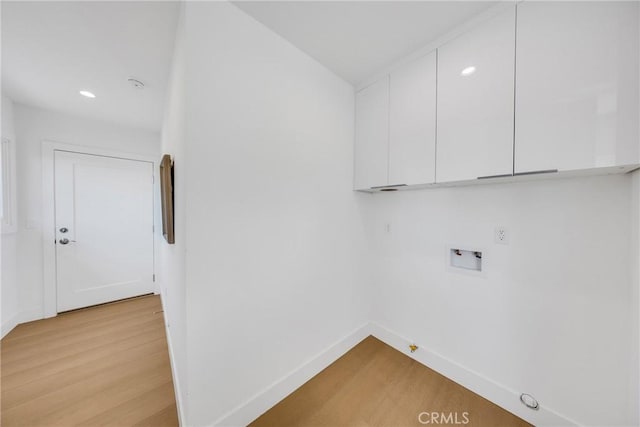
x=577 y=85
x=372 y=136
x=475 y=101
x=561 y=96
x=412 y=121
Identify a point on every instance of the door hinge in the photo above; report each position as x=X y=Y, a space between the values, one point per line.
x=154 y=277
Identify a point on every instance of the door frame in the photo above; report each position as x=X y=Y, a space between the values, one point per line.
x=49 y=148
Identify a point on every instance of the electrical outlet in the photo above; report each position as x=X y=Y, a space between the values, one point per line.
x=502 y=236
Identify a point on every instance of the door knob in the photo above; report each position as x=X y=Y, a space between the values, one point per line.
x=65 y=241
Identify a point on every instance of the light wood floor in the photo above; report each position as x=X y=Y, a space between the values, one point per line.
x=105 y=365
x=375 y=385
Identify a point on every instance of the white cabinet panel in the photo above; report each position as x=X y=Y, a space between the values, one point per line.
x=412 y=121
x=475 y=101
x=576 y=85
x=372 y=135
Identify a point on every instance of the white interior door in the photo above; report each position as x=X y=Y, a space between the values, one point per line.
x=104 y=229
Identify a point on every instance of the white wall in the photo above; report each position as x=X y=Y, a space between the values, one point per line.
x=634 y=378
x=275 y=258
x=553 y=316
x=635 y=266
x=171 y=258
x=32 y=126
x=8 y=280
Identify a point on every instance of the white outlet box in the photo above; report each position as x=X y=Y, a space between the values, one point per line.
x=502 y=236
x=468 y=262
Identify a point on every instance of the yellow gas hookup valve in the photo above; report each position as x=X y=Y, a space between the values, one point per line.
x=413 y=348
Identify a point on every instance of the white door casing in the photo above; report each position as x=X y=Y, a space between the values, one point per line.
x=104 y=229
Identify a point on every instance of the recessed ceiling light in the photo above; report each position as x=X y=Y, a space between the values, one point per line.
x=468 y=71
x=87 y=94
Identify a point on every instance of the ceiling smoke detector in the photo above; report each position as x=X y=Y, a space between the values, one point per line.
x=135 y=83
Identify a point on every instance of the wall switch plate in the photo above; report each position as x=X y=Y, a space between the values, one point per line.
x=501 y=235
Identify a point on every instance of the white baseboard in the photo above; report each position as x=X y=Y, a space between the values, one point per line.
x=263 y=401
x=9 y=324
x=479 y=384
x=495 y=392
x=176 y=379
x=31 y=314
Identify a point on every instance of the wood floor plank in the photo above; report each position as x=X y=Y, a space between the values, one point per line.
x=105 y=365
x=65 y=334
x=80 y=317
x=40 y=385
x=128 y=413
x=161 y=418
x=373 y=385
x=52 y=360
x=90 y=395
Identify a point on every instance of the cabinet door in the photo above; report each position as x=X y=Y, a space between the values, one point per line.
x=475 y=101
x=576 y=85
x=372 y=135
x=412 y=121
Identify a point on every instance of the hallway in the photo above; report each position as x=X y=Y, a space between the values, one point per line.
x=104 y=365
